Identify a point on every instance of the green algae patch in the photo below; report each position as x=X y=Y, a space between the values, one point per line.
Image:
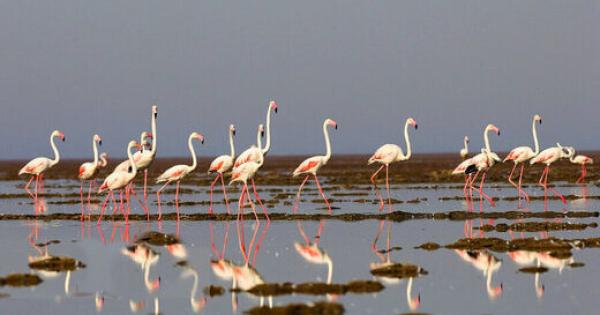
x=20 y=280
x=318 y=308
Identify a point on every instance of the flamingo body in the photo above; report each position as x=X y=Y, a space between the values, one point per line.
x=221 y=164
x=386 y=154
x=36 y=166
x=311 y=165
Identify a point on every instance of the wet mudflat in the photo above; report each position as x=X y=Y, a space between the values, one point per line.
x=429 y=256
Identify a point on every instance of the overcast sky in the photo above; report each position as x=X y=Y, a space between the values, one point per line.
x=97 y=66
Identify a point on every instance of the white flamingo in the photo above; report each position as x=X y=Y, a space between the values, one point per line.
x=311 y=165
x=178 y=172
x=220 y=165
x=548 y=157
x=464 y=152
x=118 y=180
x=89 y=170
x=582 y=160
x=124 y=166
x=254 y=153
x=39 y=165
x=482 y=162
x=522 y=154
x=387 y=154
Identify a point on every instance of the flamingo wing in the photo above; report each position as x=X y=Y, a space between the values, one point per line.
x=310 y=165
x=221 y=164
x=173 y=173
x=35 y=166
x=386 y=154
x=251 y=154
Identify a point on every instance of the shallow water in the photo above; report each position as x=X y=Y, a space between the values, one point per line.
x=456 y=282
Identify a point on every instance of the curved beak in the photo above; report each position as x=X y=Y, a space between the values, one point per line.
x=416 y=126
x=336 y=126
x=233 y=132
x=540 y=121
x=100 y=142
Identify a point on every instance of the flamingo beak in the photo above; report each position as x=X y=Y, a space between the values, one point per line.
x=335 y=126
x=275 y=107
x=100 y=142
x=416 y=126
x=233 y=132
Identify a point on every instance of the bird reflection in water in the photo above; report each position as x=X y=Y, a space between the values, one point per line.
x=488 y=264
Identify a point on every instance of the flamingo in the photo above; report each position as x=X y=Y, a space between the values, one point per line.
x=146 y=258
x=124 y=166
x=525 y=258
x=548 y=157
x=245 y=172
x=178 y=172
x=464 y=152
x=221 y=165
x=196 y=303
x=38 y=166
x=103 y=160
x=89 y=170
x=118 y=180
x=522 y=154
x=311 y=165
x=387 y=154
x=582 y=160
x=488 y=264
x=483 y=161
x=254 y=153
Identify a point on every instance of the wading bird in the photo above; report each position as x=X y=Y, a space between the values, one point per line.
x=582 y=160
x=178 y=172
x=522 y=154
x=89 y=170
x=118 y=180
x=387 y=154
x=464 y=152
x=124 y=166
x=254 y=153
x=39 y=165
x=482 y=162
x=547 y=157
x=221 y=165
x=311 y=165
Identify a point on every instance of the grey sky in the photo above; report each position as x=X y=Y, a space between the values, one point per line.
x=97 y=66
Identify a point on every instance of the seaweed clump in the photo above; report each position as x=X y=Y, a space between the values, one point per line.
x=318 y=308
x=399 y=271
x=20 y=280
x=56 y=264
x=158 y=239
x=316 y=288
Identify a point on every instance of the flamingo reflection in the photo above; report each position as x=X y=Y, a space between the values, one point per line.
x=488 y=264
x=146 y=258
x=196 y=303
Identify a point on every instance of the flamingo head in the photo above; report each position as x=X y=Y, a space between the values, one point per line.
x=493 y=128
x=414 y=303
x=273 y=106
x=537 y=118
x=232 y=129
x=331 y=122
x=495 y=292
x=198 y=304
x=261 y=129
x=198 y=136
x=155 y=111
x=99 y=301
x=154 y=285
x=98 y=139
x=467 y=139
x=539 y=292
x=60 y=134
x=411 y=121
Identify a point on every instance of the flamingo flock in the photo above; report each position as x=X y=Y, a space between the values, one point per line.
x=245 y=167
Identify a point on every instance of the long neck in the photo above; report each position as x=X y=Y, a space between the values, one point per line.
x=231 y=144
x=535 y=138
x=55 y=150
x=407 y=139
x=466 y=145
x=68 y=283
x=327 y=142
x=95 y=148
x=193 y=152
x=131 y=161
x=486 y=139
x=265 y=150
x=258 y=140
x=104 y=161
x=329 y=270
x=194 y=288
x=154 y=135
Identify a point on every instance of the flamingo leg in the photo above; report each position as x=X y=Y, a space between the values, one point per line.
x=295 y=209
x=302 y=233
x=482 y=193
x=377 y=192
x=225 y=240
x=225 y=194
x=121 y=209
x=35 y=201
x=581 y=178
x=27 y=187
x=387 y=186
x=158 y=199
x=146 y=185
x=89 y=197
x=104 y=204
x=212 y=187
x=252 y=206
x=81 y=197
x=553 y=190
x=514 y=184
x=259 y=200
x=520 y=186
x=240 y=218
x=144 y=207
x=177 y=199
x=213 y=247
x=263 y=234
x=322 y=193
x=128 y=189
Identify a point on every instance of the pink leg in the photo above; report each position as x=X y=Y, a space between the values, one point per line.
x=259 y=201
x=377 y=192
x=514 y=184
x=177 y=200
x=212 y=187
x=387 y=186
x=35 y=201
x=520 y=186
x=322 y=193
x=146 y=210
x=483 y=193
x=145 y=185
x=252 y=206
x=259 y=243
x=27 y=187
x=295 y=209
x=158 y=199
x=225 y=195
x=89 y=198
x=554 y=191
x=121 y=207
x=81 y=197
x=127 y=199
x=104 y=204
x=583 y=173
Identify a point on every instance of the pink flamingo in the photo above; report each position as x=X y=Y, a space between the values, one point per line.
x=311 y=165
x=483 y=161
x=178 y=172
x=548 y=157
x=124 y=166
x=390 y=153
x=118 y=180
x=39 y=165
x=221 y=165
x=488 y=264
x=89 y=170
x=255 y=153
x=582 y=160
x=522 y=154
x=464 y=152
x=245 y=172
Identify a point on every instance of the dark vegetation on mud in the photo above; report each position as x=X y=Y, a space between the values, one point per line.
x=316 y=288
x=399 y=271
x=318 y=308
x=158 y=239
x=20 y=280
x=537 y=227
x=56 y=264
